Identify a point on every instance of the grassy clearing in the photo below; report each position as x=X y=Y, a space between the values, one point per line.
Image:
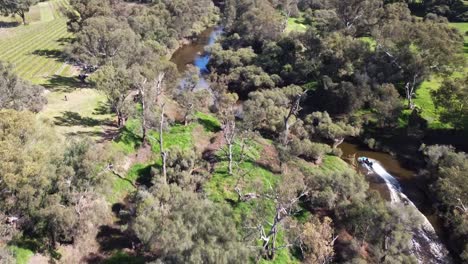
x=252 y=178
x=296 y=24
x=120 y=187
x=423 y=98
x=83 y=113
x=130 y=140
x=22 y=255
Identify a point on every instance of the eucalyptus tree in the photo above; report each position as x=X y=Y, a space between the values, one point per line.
x=103 y=40
x=116 y=84
x=83 y=10
x=165 y=224
x=450 y=98
x=18 y=94
x=274 y=111
x=16 y=7
x=225 y=103
x=415 y=49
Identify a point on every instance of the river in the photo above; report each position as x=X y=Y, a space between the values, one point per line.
x=395 y=182
x=399 y=185
x=195 y=53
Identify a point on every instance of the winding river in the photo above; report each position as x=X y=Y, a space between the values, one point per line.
x=396 y=183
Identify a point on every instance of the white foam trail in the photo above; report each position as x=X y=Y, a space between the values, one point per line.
x=426 y=234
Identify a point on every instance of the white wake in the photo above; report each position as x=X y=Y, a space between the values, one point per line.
x=426 y=244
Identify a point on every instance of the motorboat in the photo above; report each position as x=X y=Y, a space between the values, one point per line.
x=365 y=161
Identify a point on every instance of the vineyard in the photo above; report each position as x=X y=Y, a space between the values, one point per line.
x=36 y=49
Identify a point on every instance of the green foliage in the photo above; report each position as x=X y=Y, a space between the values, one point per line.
x=18 y=94
x=212 y=237
x=451 y=97
x=448 y=172
x=122 y=187
x=120 y=39
x=17 y=7
x=22 y=255
x=296 y=24
x=130 y=136
x=177 y=136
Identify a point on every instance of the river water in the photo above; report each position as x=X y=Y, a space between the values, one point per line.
x=195 y=53
x=399 y=185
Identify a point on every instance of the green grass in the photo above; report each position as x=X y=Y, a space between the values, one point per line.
x=253 y=178
x=130 y=137
x=423 y=98
x=209 y=122
x=178 y=136
x=330 y=164
x=121 y=187
x=296 y=24
x=130 y=140
x=22 y=255
x=463 y=28
x=84 y=113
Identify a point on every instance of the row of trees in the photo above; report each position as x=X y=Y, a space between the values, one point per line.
x=446 y=169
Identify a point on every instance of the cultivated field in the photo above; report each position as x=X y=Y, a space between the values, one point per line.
x=35 y=50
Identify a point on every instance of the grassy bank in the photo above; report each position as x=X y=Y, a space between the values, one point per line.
x=423 y=98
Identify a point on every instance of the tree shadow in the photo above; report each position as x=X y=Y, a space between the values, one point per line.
x=55 y=54
x=144 y=176
x=75 y=119
x=211 y=125
x=4 y=24
x=111 y=238
x=127 y=137
x=91 y=134
x=119 y=257
x=103 y=108
x=60 y=83
x=65 y=40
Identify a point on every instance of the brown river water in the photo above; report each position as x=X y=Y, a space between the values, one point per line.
x=413 y=187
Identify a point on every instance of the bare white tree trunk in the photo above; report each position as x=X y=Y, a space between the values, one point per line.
x=409 y=90
x=229 y=132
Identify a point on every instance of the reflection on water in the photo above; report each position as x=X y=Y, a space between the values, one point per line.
x=195 y=53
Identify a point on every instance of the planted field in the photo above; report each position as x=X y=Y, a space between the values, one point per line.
x=36 y=49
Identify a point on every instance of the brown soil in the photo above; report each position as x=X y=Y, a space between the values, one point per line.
x=216 y=143
x=269 y=157
x=201 y=139
x=38 y=259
